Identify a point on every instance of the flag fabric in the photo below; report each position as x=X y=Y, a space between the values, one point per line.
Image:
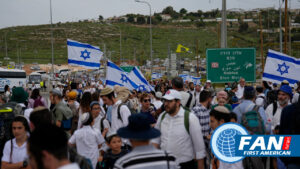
x=117 y=76
x=138 y=78
x=281 y=67
x=196 y=80
x=155 y=76
x=181 y=49
x=84 y=55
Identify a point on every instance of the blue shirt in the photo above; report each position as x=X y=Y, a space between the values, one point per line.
x=108 y=113
x=246 y=106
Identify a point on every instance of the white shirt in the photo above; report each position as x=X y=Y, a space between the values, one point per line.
x=115 y=122
x=240 y=92
x=70 y=166
x=87 y=140
x=274 y=120
x=97 y=122
x=185 y=97
x=175 y=139
x=157 y=104
x=19 y=154
x=295 y=98
x=197 y=98
x=259 y=100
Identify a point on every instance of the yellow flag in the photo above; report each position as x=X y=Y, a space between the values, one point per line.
x=181 y=49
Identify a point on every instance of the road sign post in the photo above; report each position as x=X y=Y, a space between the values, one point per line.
x=231 y=64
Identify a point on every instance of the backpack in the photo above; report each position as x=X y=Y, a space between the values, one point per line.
x=119 y=109
x=38 y=102
x=265 y=105
x=186 y=120
x=253 y=122
x=66 y=123
x=188 y=103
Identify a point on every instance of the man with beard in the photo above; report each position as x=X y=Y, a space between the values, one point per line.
x=180 y=133
x=48 y=149
x=273 y=111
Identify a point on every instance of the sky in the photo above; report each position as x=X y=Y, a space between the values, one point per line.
x=34 y=12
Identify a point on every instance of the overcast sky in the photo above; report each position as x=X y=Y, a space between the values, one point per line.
x=33 y=12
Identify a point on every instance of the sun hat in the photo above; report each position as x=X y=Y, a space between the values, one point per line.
x=106 y=91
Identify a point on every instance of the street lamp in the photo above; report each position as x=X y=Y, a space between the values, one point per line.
x=150 y=33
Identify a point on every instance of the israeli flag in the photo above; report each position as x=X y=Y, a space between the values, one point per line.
x=155 y=76
x=138 y=78
x=281 y=67
x=196 y=80
x=84 y=55
x=117 y=76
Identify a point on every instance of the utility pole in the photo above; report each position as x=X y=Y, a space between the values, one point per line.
x=290 y=37
x=197 y=57
x=280 y=29
x=52 y=48
x=5 y=45
x=224 y=26
x=261 y=44
x=285 y=28
x=169 y=56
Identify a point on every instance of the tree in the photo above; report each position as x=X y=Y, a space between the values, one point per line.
x=141 y=20
x=183 y=11
x=168 y=10
x=243 y=27
x=157 y=17
x=100 y=18
x=130 y=19
x=297 y=19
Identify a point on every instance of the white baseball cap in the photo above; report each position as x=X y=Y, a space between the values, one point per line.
x=158 y=95
x=172 y=94
x=208 y=81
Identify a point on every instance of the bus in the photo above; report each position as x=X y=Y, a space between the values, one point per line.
x=34 y=80
x=12 y=77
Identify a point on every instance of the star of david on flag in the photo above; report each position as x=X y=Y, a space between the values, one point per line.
x=84 y=55
x=138 y=78
x=116 y=76
x=283 y=68
x=280 y=66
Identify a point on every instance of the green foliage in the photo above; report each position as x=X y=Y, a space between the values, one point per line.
x=140 y=20
x=243 y=27
x=182 y=11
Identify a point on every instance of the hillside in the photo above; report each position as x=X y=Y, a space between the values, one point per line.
x=33 y=43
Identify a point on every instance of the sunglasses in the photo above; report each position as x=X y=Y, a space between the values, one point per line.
x=146 y=100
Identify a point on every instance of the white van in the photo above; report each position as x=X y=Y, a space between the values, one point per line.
x=12 y=77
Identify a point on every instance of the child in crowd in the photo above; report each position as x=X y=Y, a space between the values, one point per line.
x=114 y=152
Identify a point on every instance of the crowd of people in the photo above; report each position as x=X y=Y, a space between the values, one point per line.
x=91 y=126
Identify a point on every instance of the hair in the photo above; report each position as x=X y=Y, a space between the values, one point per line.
x=85 y=102
x=48 y=138
x=177 y=82
x=39 y=116
x=6 y=88
x=24 y=121
x=219 y=115
x=233 y=116
x=109 y=138
x=89 y=121
x=143 y=96
x=259 y=89
x=35 y=94
x=95 y=96
x=249 y=94
x=266 y=85
x=204 y=95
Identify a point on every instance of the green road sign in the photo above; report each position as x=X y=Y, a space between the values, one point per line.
x=127 y=68
x=229 y=65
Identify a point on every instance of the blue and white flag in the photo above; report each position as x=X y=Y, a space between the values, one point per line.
x=117 y=76
x=281 y=67
x=155 y=76
x=84 y=55
x=196 y=80
x=138 y=78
